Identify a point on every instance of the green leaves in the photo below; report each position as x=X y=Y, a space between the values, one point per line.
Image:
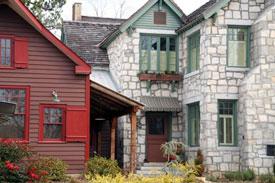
x=47 y=11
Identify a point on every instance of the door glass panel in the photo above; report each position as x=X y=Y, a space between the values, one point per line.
x=221 y=131
x=156 y=126
x=163 y=55
x=229 y=130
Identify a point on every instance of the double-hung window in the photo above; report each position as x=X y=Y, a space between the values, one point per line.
x=238 y=46
x=194 y=124
x=227 y=123
x=14 y=126
x=193 y=52
x=53 y=123
x=5 y=52
x=158 y=54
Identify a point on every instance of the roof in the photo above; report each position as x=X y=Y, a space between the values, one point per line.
x=202 y=13
x=108 y=103
x=161 y=104
x=125 y=25
x=83 y=37
x=80 y=68
x=105 y=78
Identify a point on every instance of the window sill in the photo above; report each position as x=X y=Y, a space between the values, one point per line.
x=188 y=75
x=228 y=148
x=193 y=148
x=52 y=142
x=160 y=77
x=237 y=69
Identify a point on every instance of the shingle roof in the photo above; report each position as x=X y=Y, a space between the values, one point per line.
x=83 y=37
x=197 y=15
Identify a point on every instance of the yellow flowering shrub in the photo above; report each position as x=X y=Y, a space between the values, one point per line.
x=186 y=175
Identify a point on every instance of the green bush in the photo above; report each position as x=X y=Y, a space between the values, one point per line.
x=274 y=169
x=212 y=178
x=247 y=175
x=55 y=168
x=267 y=178
x=13 y=151
x=102 y=166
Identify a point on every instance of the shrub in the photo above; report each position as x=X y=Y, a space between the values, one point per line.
x=172 y=150
x=274 y=169
x=102 y=166
x=267 y=178
x=199 y=162
x=247 y=175
x=212 y=178
x=52 y=168
x=13 y=151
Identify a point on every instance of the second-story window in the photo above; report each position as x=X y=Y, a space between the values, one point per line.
x=238 y=47
x=158 y=54
x=193 y=52
x=5 y=53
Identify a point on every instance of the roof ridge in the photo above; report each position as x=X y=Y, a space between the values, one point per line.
x=89 y=22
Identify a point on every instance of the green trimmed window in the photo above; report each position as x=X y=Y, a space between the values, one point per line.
x=227 y=124
x=158 y=54
x=193 y=52
x=194 y=124
x=238 y=46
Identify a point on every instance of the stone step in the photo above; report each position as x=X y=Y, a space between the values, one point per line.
x=154 y=164
x=149 y=173
x=151 y=168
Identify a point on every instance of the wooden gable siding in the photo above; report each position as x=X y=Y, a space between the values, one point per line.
x=48 y=70
x=147 y=20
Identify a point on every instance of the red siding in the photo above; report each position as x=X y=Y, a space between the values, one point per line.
x=48 y=69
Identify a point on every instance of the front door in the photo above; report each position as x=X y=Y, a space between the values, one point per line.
x=156 y=134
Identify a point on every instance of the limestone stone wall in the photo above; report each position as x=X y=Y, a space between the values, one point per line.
x=257 y=97
x=214 y=81
x=124 y=66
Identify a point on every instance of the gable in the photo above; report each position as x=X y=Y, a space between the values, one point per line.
x=81 y=67
x=147 y=20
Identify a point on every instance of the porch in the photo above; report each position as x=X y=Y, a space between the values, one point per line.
x=106 y=107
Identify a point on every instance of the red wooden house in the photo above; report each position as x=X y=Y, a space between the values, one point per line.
x=49 y=84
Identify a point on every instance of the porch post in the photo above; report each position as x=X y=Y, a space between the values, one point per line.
x=133 y=157
x=113 y=137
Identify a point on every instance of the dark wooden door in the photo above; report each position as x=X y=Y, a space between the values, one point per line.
x=157 y=134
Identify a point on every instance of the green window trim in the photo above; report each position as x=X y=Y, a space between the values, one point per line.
x=226 y=119
x=168 y=58
x=194 y=124
x=247 y=30
x=193 y=43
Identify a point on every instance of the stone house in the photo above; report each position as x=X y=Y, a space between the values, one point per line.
x=206 y=79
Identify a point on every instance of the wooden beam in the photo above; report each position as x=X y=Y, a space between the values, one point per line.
x=133 y=158
x=113 y=138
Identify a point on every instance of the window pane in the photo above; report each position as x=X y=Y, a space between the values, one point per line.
x=52 y=115
x=194 y=124
x=194 y=51
x=237 y=47
x=229 y=130
x=13 y=126
x=163 y=55
x=172 y=55
x=154 y=53
x=221 y=131
x=5 y=52
x=52 y=131
x=144 y=53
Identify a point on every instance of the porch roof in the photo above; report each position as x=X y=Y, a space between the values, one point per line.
x=161 y=104
x=107 y=103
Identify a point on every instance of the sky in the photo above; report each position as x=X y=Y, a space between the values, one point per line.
x=110 y=7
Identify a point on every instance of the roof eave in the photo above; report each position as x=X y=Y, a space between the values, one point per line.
x=108 y=40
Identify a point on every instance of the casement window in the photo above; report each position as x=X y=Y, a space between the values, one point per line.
x=53 y=123
x=193 y=52
x=158 y=54
x=238 y=46
x=15 y=126
x=227 y=124
x=193 y=124
x=6 y=52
